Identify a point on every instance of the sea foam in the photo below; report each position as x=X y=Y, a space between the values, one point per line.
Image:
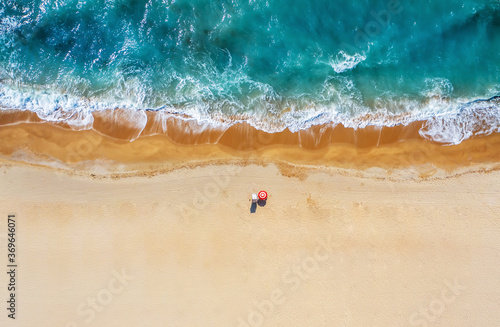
x=344 y=62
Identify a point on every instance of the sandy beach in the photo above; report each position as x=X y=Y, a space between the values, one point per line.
x=136 y=137
x=413 y=242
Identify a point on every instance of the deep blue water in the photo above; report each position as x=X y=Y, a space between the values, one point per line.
x=275 y=63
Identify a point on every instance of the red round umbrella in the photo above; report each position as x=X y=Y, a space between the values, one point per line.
x=263 y=195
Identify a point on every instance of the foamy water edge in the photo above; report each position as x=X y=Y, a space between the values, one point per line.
x=445 y=121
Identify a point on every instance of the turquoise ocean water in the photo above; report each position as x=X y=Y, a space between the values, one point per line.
x=276 y=64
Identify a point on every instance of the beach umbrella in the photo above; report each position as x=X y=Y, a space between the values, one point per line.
x=263 y=195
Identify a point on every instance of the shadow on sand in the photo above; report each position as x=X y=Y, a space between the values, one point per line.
x=253 y=207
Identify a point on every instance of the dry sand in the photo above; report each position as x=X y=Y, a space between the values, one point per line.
x=331 y=248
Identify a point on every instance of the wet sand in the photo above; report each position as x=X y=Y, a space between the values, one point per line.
x=173 y=143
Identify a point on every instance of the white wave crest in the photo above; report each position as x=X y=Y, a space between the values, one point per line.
x=343 y=61
x=479 y=118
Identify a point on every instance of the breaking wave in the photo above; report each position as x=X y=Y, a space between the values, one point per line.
x=445 y=121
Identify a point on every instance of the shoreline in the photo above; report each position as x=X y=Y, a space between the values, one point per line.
x=106 y=147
